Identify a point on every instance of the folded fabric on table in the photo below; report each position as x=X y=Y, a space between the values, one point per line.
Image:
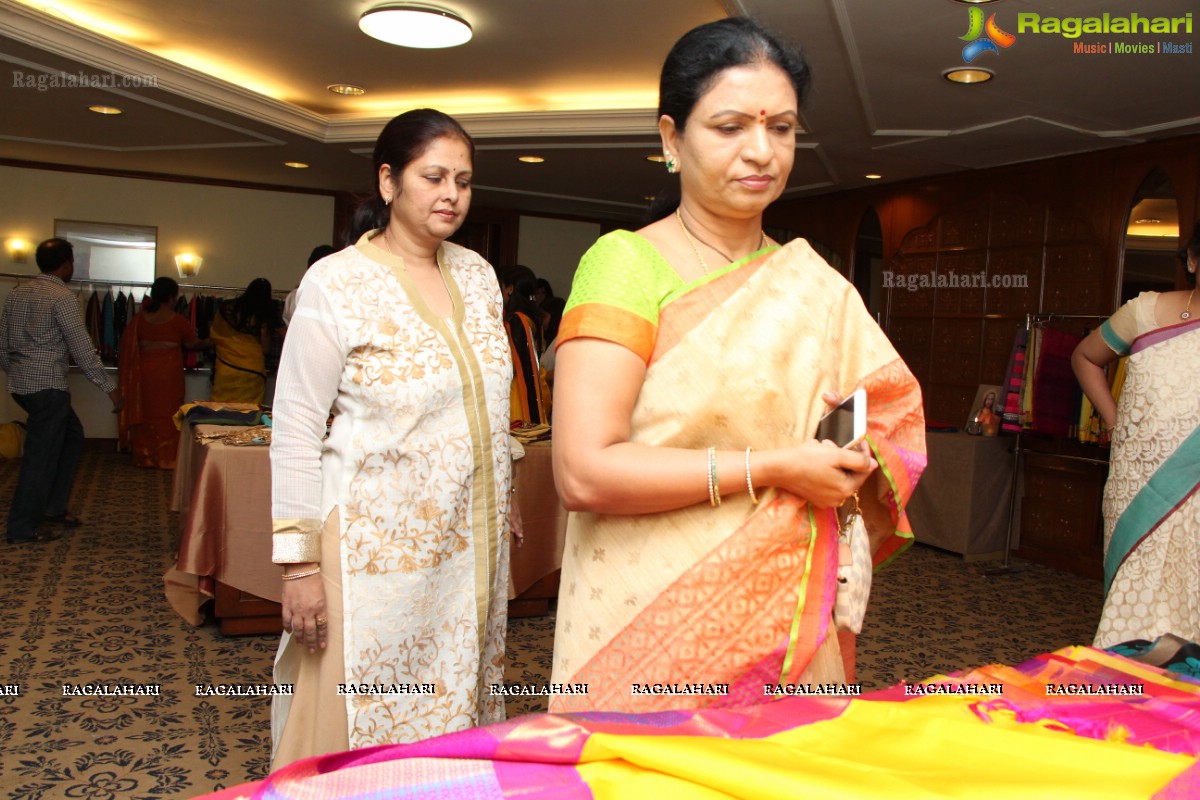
x=212 y=413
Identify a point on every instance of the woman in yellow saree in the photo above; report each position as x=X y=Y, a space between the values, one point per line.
x=695 y=360
x=241 y=335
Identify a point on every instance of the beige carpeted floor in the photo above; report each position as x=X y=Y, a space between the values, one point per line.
x=90 y=609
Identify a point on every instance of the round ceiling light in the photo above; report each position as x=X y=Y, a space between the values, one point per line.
x=295 y=164
x=348 y=89
x=531 y=159
x=968 y=75
x=413 y=25
x=106 y=110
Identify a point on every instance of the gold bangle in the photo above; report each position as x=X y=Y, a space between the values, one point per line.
x=294 y=576
x=749 y=482
x=714 y=487
x=708 y=476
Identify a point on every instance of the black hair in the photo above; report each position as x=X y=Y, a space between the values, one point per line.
x=696 y=61
x=319 y=252
x=53 y=253
x=252 y=309
x=524 y=282
x=163 y=290
x=704 y=52
x=545 y=286
x=401 y=142
x=1191 y=247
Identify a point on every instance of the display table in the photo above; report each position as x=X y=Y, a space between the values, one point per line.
x=223 y=496
x=961 y=503
x=537 y=564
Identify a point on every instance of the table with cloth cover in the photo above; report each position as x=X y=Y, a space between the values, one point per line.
x=997 y=731
x=223 y=495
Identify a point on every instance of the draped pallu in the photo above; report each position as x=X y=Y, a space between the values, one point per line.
x=738 y=595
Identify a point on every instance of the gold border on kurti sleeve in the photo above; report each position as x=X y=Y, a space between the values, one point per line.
x=295 y=541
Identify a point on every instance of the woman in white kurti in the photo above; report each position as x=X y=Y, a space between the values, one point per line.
x=392 y=529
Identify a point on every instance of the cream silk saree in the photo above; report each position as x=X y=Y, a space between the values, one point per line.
x=703 y=606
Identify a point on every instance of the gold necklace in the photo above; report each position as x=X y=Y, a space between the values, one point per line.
x=1187 y=312
x=762 y=239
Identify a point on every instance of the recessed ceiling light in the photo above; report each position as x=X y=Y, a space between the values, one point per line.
x=974 y=2
x=872 y=176
x=346 y=89
x=415 y=25
x=107 y=110
x=968 y=75
x=531 y=159
x=295 y=164
x=657 y=159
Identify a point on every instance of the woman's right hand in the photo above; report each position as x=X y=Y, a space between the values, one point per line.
x=304 y=611
x=821 y=472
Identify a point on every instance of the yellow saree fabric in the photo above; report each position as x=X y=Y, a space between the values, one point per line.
x=239 y=374
x=719 y=597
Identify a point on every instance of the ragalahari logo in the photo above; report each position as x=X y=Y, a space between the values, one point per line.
x=983 y=37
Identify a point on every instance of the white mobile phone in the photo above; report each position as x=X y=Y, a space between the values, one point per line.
x=846 y=425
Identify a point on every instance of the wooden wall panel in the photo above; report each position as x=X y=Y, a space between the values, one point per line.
x=1061 y=224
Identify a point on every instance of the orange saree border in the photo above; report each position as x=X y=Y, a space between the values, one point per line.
x=743 y=576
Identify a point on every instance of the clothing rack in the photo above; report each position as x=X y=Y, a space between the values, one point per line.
x=1007 y=567
x=182 y=287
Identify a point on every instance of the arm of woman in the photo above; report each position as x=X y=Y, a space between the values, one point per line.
x=1090 y=358
x=597 y=468
x=309 y=373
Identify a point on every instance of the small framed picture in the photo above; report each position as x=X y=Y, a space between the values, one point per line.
x=986 y=411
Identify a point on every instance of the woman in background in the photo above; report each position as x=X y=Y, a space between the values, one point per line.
x=1151 y=506
x=151 y=375
x=695 y=360
x=530 y=397
x=552 y=308
x=391 y=529
x=241 y=333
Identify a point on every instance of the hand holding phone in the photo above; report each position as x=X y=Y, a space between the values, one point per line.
x=846 y=425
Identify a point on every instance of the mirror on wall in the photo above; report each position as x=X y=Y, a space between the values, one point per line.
x=1151 y=239
x=111 y=253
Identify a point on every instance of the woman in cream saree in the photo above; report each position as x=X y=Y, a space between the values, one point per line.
x=731 y=598
x=695 y=360
x=1151 y=507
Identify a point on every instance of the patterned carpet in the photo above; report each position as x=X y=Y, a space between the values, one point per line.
x=89 y=609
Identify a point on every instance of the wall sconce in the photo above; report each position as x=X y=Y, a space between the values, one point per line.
x=188 y=264
x=18 y=250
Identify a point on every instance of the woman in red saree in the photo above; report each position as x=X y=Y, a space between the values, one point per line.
x=696 y=357
x=151 y=375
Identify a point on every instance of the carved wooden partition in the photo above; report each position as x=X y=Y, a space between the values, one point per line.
x=959 y=288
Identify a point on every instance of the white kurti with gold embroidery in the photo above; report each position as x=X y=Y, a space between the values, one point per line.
x=417 y=465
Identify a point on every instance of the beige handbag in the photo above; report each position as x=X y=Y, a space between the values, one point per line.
x=854 y=572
